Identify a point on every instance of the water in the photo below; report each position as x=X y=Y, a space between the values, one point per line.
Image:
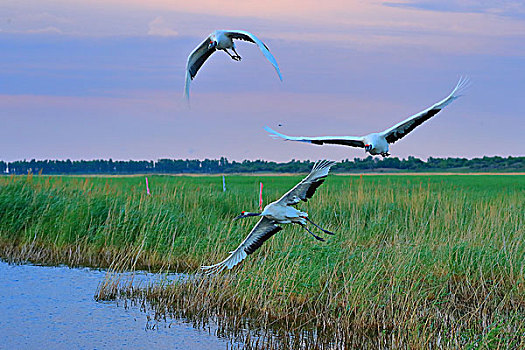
x=54 y=308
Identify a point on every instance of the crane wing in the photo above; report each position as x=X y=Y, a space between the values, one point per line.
x=401 y=129
x=305 y=189
x=353 y=141
x=195 y=61
x=262 y=231
x=247 y=36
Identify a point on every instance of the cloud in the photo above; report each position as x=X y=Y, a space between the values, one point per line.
x=43 y=17
x=507 y=8
x=159 y=27
x=34 y=21
x=46 y=30
x=151 y=126
x=456 y=26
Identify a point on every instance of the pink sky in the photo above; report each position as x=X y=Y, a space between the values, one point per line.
x=104 y=79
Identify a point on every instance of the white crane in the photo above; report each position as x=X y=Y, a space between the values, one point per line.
x=222 y=40
x=278 y=212
x=377 y=143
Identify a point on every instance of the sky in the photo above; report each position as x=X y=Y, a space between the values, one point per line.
x=104 y=79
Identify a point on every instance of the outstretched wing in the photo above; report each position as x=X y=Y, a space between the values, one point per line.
x=264 y=229
x=195 y=61
x=246 y=36
x=353 y=141
x=399 y=130
x=305 y=189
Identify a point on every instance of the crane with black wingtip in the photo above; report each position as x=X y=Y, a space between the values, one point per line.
x=377 y=143
x=222 y=40
x=280 y=212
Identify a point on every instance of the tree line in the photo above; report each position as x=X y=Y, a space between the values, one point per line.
x=223 y=165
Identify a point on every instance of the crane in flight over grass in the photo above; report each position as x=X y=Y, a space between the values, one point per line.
x=377 y=143
x=222 y=40
x=279 y=212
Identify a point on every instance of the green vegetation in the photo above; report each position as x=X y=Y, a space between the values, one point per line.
x=417 y=262
x=207 y=166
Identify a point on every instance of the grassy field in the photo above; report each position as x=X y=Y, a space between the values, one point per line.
x=418 y=261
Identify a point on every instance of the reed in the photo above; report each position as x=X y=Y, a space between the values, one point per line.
x=418 y=261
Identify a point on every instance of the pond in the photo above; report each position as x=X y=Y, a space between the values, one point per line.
x=45 y=307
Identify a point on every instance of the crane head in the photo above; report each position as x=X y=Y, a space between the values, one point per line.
x=212 y=44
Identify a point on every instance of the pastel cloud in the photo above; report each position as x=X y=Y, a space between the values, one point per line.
x=159 y=27
x=45 y=30
x=150 y=125
x=510 y=8
x=366 y=25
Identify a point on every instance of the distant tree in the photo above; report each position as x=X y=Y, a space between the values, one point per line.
x=211 y=166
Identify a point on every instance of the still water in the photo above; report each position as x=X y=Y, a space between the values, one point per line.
x=54 y=308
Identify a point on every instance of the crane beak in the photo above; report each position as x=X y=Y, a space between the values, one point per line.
x=241 y=216
x=245 y=215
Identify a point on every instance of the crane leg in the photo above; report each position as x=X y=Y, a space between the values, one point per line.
x=313 y=234
x=235 y=58
x=319 y=227
x=238 y=56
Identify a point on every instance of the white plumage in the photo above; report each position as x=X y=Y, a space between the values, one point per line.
x=377 y=143
x=222 y=40
x=278 y=212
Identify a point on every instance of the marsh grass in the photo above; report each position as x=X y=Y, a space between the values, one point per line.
x=418 y=261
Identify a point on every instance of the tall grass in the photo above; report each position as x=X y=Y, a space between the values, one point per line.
x=417 y=262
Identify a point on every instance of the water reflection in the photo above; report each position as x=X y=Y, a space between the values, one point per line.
x=53 y=308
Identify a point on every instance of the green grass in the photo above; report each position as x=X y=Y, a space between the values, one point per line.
x=415 y=257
